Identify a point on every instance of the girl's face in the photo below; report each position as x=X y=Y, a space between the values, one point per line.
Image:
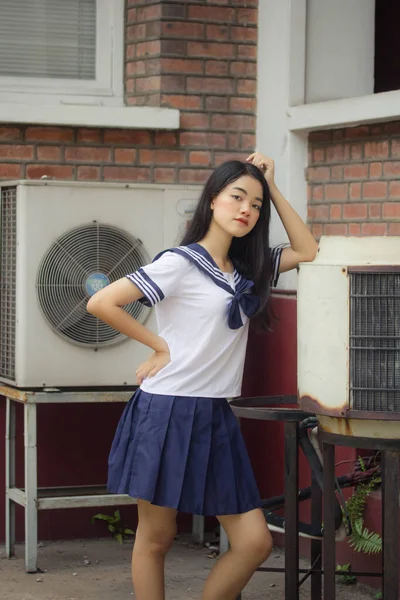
x=237 y=208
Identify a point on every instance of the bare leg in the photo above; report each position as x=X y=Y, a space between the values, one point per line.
x=250 y=545
x=154 y=537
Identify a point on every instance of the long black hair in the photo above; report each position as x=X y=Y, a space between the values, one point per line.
x=250 y=254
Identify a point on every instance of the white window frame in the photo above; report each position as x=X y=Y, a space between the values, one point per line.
x=108 y=87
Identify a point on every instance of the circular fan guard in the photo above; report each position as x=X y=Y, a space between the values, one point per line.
x=79 y=263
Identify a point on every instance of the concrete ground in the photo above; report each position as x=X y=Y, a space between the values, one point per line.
x=100 y=570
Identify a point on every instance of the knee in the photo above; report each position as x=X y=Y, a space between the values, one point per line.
x=259 y=546
x=155 y=540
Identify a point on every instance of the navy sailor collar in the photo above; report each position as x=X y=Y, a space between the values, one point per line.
x=242 y=296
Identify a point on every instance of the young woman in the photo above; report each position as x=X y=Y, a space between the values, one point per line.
x=178 y=446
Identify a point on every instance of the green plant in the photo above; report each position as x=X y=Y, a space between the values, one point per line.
x=378 y=595
x=361 y=539
x=115 y=526
x=347 y=578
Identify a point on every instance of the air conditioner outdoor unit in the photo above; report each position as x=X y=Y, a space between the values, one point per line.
x=60 y=242
x=349 y=336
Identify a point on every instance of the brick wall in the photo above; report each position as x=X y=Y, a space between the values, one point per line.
x=199 y=57
x=354 y=180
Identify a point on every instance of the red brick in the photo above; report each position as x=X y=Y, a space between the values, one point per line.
x=136 y=32
x=374 y=210
x=148 y=84
x=317 y=230
x=391 y=210
x=233 y=122
x=127 y=136
x=49 y=134
x=375 y=190
x=112 y=173
x=211 y=13
x=375 y=169
x=320 y=136
x=356 y=151
x=337 y=153
x=234 y=142
x=124 y=155
x=10 y=171
x=247 y=86
x=318 y=174
x=16 y=152
x=131 y=17
x=355 y=191
x=318 y=154
x=182 y=65
x=203 y=139
x=130 y=51
x=354 y=229
x=248 y=141
x=376 y=149
x=373 y=229
x=211 y=49
x=87 y=154
x=335 y=229
x=194 y=175
x=146 y=13
x=89 y=135
x=56 y=171
x=317 y=193
x=148 y=48
x=395 y=148
x=217 y=32
x=212 y=85
x=166 y=138
x=244 y=69
x=338 y=135
x=182 y=102
x=394 y=229
x=49 y=153
x=336 y=191
x=10 y=134
x=247 y=52
x=247 y=16
x=394 y=190
x=392 y=169
x=216 y=67
x=195 y=121
x=200 y=158
x=335 y=212
x=157 y=157
x=356 y=171
x=247 y=105
x=357 y=132
x=153 y=30
x=88 y=173
x=336 y=173
x=319 y=212
x=182 y=30
x=377 y=130
x=217 y=103
x=130 y=86
x=164 y=175
x=355 y=211
x=221 y=157
x=244 y=34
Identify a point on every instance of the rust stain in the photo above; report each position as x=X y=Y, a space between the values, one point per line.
x=313 y=405
x=339 y=426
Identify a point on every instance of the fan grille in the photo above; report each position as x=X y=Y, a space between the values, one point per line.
x=79 y=263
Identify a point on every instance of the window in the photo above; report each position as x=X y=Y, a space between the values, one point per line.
x=61 y=52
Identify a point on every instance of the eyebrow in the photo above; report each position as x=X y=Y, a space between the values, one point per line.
x=244 y=192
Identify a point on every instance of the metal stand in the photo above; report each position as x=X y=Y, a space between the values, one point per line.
x=390 y=510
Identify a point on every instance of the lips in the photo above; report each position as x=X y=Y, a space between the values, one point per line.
x=242 y=221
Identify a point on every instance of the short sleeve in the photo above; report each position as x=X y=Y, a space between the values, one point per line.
x=159 y=279
x=275 y=254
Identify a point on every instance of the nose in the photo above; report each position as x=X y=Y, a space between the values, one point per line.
x=245 y=208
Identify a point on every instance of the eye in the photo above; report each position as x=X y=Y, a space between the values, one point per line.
x=257 y=206
x=236 y=197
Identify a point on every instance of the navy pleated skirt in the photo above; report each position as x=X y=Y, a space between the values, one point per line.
x=184 y=453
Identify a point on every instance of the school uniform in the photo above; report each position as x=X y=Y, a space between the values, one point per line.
x=178 y=443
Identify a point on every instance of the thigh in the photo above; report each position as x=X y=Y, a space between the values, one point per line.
x=156 y=521
x=246 y=529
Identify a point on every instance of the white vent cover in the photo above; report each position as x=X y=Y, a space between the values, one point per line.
x=78 y=264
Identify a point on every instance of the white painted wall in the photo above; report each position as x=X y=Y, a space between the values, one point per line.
x=340 y=49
